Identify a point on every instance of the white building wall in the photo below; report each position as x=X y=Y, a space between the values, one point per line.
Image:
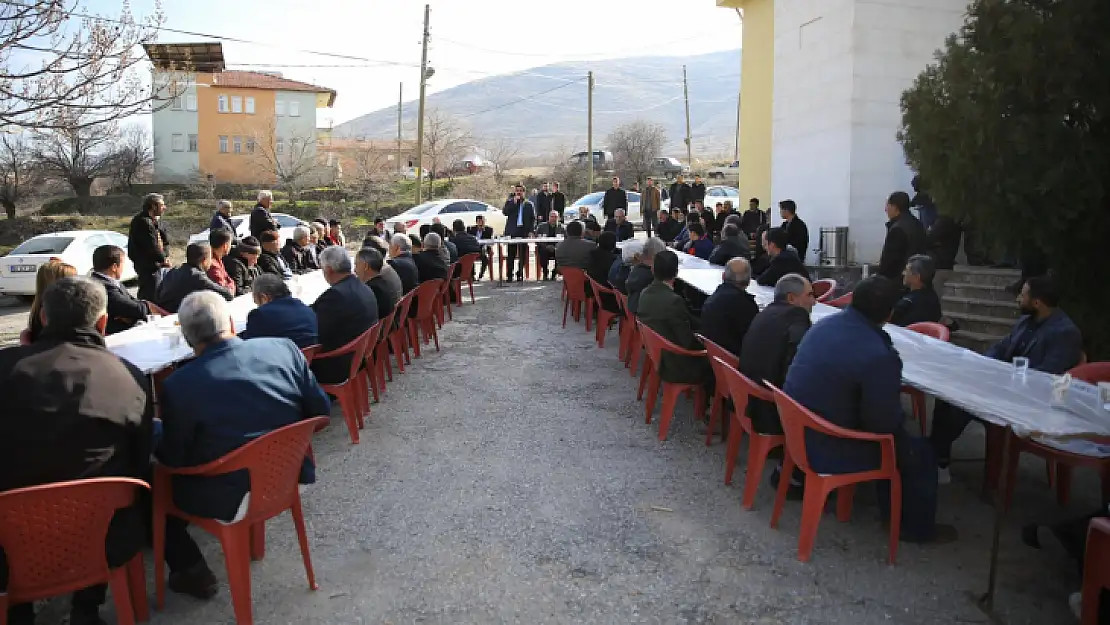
x=840 y=69
x=171 y=166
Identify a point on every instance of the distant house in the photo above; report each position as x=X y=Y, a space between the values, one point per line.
x=353 y=159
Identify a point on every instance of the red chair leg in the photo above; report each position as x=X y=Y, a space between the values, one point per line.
x=566 y=307
x=666 y=411
x=258 y=541
x=236 y=544
x=895 y=517
x=758 y=448
x=784 y=486
x=158 y=521
x=302 y=537
x=121 y=596
x=349 y=407
x=732 y=452
x=813 y=506
x=470 y=284
x=844 y=497
x=652 y=393
x=136 y=584
x=415 y=338
x=645 y=374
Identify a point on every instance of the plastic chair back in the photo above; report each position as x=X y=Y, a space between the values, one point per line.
x=426 y=297
x=656 y=345
x=466 y=265
x=796 y=419
x=53 y=535
x=716 y=351
x=928 y=328
x=574 y=281
x=1092 y=372
x=386 y=327
x=598 y=289
x=843 y=301
x=356 y=348
x=273 y=461
x=824 y=288
x=402 y=309
x=310 y=352
x=740 y=387
x=446 y=288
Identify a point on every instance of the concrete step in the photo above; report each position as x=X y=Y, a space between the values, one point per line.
x=985 y=307
x=991 y=292
x=982 y=324
x=985 y=275
x=975 y=341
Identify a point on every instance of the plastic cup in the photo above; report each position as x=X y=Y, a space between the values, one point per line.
x=1021 y=366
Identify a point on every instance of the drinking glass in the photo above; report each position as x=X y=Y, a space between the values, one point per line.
x=1021 y=366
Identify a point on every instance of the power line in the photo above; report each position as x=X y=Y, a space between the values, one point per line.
x=517 y=101
x=555 y=55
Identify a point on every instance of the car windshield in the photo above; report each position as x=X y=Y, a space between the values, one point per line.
x=420 y=209
x=590 y=199
x=43 y=245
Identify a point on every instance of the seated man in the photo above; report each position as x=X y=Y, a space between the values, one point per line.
x=124 y=309
x=294 y=251
x=592 y=232
x=574 y=251
x=279 y=314
x=726 y=315
x=629 y=258
x=368 y=268
x=220 y=240
x=700 y=244
x=400 y=258
x=189 y=278
x=620 y=226
x=464 y=242
x=387 y=272
x=669 y=227
x=848 y=373
x=242 y=264
x=1045 y=335
x=601 y=261
x=429 y=262
x=73 y=410
x=733 y=245
x=271 y=260
x=546 y=251
x=343 y=312
x=921 y=302
x=665 y=312
x=482 y=232
x=783 y=259
x=262 y=384
x=640 y=277
x=447 y=249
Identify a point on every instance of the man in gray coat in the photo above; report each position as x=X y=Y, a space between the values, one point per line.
x=574 y=251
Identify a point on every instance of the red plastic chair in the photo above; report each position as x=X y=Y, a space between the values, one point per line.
x=273 y=462
x=352 y=392
x=940 y=333
x=1061 y=463
x=742 y=389
x=717 y=408
x=1096 y=571
x=445 y=297
x=796 y=419
x=399 y=334
x=53 y=538
x=427 y=300
x=656 y=345
x=574 y=281
x=824 y=288
x=379 y=353
x=310 y=352
x=843 y=301
x=605 y=318
x=630 y=337
x=466 y=272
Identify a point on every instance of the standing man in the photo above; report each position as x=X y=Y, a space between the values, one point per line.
x=521 y=219
x=680 y=194
x=615 y=199
x=222 y=219
x=697 y=190
x=148 y=246
x=797 y=234
x=558 y=200
x=651 y=201
x=261 y=219
x=905 y=237
x=752 y=218
x=543 y=201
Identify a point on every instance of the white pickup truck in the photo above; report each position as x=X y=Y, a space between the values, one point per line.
x=732 y=170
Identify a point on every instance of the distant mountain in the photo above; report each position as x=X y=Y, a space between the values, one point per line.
x=650 y=88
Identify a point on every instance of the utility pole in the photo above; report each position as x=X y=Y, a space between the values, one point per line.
x=420 y=120
x=686 y=95
x=590 y=133
x=739 y=99
x=400 y=105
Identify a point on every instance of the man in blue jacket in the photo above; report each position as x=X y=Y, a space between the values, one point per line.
x=263 y=384
x=848 y=373
x=1045 y=335
x=279 y=314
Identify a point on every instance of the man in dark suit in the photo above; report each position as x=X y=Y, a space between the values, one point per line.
x=752 y=218
x=574 y=251
x=294 y=252
x=620 y=226
x=726 y=315
x=73 y=410
x=920 y=303
x=271 y=260
x=668 y=228
x=546 y=251
x=261 y=220
x=558 y=200
x=148 y=246
x=1045 y=335
x=797 y=234
x=465 y=242
x=400 y=258
x=368 y=267
x=680 y=195
x=262 y=384
x=124 y=309
x=905 y=237
x=189 y=278
x=279 y=314
x=697 y=192
x=242 y=264
x=732 y=245
x=543 y=202
x=519 y=223
x=343 y=312
x=615 y=199
x=783 y=259
x=429 y=262
x=482 y=232
x=665 y=312
x=221 y=220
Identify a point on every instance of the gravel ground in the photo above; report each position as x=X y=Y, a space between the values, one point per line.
x=13 y=318
x=510 y=478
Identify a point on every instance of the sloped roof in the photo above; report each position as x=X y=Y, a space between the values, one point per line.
x=258 y=80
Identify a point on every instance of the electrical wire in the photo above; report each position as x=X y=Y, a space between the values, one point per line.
x=585 y=55
x=516 y=101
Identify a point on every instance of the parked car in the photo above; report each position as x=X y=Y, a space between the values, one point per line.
x=720 y=193
x=242 y=224
x=728 y=171
x=668 y=167
x=19 y=268
x=448 y=210
x=593 y=200
x=603 y=160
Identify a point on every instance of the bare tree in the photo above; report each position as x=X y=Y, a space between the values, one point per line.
x=290 y=160
x=134 y=157
x=444 y=141
x=59 y=65
x=18 y=173
x=635 y=145
x=373 y=173
x=77 y=153
x=502 y=153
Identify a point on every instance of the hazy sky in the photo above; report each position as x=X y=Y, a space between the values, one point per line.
x=470 y=39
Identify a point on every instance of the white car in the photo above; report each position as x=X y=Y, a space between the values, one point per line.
x=728 y=171
x=75 y=247
x=242 y=225
x=718 y=193
x=593 y=200
x=447 y=211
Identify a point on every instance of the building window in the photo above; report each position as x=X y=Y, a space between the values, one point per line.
x=176 y=103
x=238 y=143
x=223 y=144
x=236 y=104
x=192 y=143
x=178 y=143
x=294 y=109
x=221 y=104
x=191 y=102
x=250 y=106
x=279 y=108
x=280 y=146
x=250 y=145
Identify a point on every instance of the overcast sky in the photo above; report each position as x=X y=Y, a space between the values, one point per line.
x=470 y=38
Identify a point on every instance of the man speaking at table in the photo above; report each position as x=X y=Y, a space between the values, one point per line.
x=520 y=221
